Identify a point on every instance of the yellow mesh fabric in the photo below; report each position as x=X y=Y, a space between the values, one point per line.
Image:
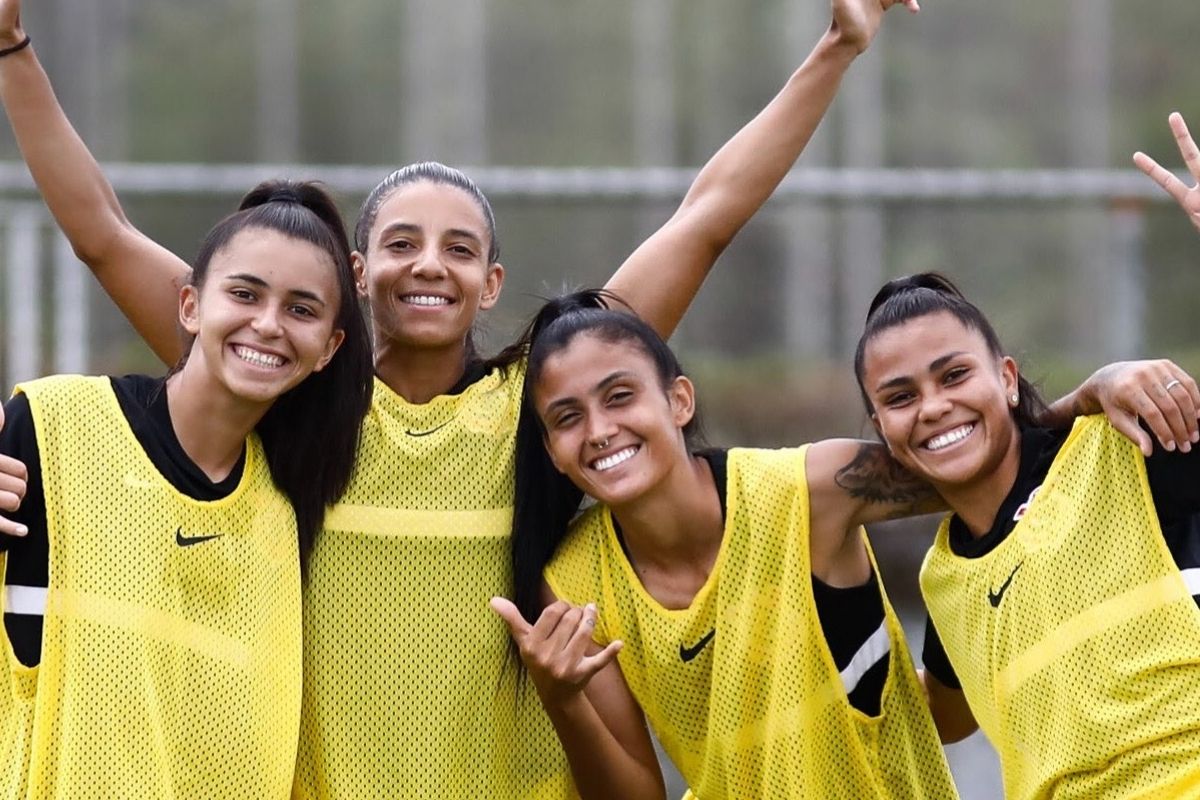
x=1084 y=670
x=168 y=670
x=406 y=691
x=760 y=712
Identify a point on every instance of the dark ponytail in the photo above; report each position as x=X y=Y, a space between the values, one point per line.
x=908 y=298
x=310 y=434
x=545 y=499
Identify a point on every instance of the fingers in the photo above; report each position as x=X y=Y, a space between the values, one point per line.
x=1162 y=176
x=511 y=615
x=1187 y=147
x=1127 y=424
x=1167 y=399
x=10 y=528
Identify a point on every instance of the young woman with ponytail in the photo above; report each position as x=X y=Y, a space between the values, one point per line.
x=728 y=598
x=1063 y=589
x=152 y=617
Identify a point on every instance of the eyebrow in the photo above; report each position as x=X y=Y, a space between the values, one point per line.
x=600 y=386
x=934 y=366
x=254 y=280
x=408 y=227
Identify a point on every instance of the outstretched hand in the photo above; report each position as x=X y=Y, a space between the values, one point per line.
x=1159 y=393
x=1188 y=197
x=855 y=22
x=555 y=648
x=12 y=489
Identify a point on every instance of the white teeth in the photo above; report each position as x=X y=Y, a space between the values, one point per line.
x=949 y=437
x=619 y=457
x=425 y=300
x=256 y=358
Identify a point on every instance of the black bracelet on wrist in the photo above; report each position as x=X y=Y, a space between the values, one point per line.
x=21 y=45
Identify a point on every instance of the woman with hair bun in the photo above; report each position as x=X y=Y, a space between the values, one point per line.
x=1063 y=589
x=152 y=609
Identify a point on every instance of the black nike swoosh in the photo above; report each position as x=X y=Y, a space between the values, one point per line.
x=431 y=430
x=688 y=653
x=995 y=597
x=188 y=541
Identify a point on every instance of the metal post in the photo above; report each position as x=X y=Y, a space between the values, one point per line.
x=71 y=313
x=808 y=277
x=862 y=267
x=276 y=45
x=23 y=312
x=445 y=81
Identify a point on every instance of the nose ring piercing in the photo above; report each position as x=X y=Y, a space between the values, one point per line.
x=602 y=445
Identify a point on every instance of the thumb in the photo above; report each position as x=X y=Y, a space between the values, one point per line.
x=507 y=611
x=593 y=664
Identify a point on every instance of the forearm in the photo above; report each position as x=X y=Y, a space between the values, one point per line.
x=600 y=764
x=142 y=277
x=740 y=177
x=70 y=180
x=663 y=275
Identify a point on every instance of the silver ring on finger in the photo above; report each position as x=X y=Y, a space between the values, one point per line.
x=1171 y=384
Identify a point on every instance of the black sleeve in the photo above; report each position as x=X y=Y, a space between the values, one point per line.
x=937 y=663
x=18 y=439
x=1174 y=483
x=28 y=562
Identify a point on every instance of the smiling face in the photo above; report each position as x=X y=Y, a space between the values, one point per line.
x=941 y=403
x=610 y=425
x=426 y=270
x=264 y=319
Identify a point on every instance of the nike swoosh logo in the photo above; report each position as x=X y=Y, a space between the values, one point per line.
x=188 y=541
x=995 y=597
x=689 y=653
x=431 y=430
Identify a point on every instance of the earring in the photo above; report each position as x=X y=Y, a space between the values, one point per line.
x=1012 y=401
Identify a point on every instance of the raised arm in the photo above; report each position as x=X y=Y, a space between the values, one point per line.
x=663 y=275
x=599 y=723
x=141 y=276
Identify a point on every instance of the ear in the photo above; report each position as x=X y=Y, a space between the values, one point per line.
x=491 y=286
x=189 y=309
x=335 y=341
x=682 y=396
x=1008 y=376
x=358 y=262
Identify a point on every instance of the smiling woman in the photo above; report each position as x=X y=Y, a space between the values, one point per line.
x=1061 y=588
x=206 y=518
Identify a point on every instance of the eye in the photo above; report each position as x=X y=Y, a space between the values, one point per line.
x=242 y=293
x=400 y=245
x=565 y=420
x=301 y=310
x=619 y=397
x=956 y=375
x=462 y=250
x=898 y=399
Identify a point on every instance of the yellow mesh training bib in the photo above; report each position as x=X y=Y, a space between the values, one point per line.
x=407 y=694
x=170 y=663
x=1076 y=640
x=740 y=687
